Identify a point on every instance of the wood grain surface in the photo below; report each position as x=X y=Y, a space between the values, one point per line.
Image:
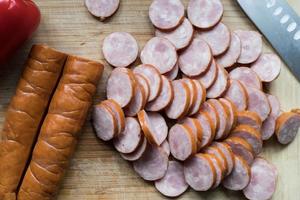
x=97 y=171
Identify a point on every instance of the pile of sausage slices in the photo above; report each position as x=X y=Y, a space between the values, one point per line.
x=194 y=113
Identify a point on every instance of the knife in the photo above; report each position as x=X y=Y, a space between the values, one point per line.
x=280 y=24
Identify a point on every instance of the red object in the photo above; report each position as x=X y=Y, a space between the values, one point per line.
x=18 y=20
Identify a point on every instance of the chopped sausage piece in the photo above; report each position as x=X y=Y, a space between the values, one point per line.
x=239 y=177
x=287 y=126
x=211 y=110
x=102 y=8
x=267 y=67
x=237 y=93
x=258 y=102
x=120 y=49
x=182 y=142
x=232 y=112
x=137 y=102
x=246 y=76
x=220 y=85
x=164 y=98
x=263 y=180
x=199 y=172
x=196 y=58
x=160 y=53
x=251 y=46
x=181 y=101
x=209 y=76
x=231 y=56
x=180 y=37
x=208 y=129
x=205 y=13
x=104 y=122
x=173 y=183
x=166 y=14
x=218 y=38
x=193 y=92
x=252 y=136
x=221 y=157
x=249 y=118
x=153 y=77
x=171 y=75
x=142 y=80
x=129 y=139
x=218 y=169
x=153 y=164
x=226 y=150
x=166 y=147
x=200 y=97
x=121 y=93
x=196 y=127
x=138 y=152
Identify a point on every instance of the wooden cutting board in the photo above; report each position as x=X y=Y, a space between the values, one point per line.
x=97 y=171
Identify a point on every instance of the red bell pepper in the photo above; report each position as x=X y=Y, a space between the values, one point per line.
x=18 y=20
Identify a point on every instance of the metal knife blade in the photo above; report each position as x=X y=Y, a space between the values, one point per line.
x=280 y=24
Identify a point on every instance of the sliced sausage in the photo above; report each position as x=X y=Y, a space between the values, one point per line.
x=181 y=101
x=218 y=38
x=246 y=76
x=171 y=75
x=120 y=49
x=226 y=150
x=237 y=93
x=199 y=172
x=173 y=183
x=180 y=37
x=267 y=67
x=220 y=85
x=153 y=164
x=121 y=93
x=249 y=118
x=287 y=126
x=232 y=112
x=182 y=142
x=160 y=53
x=211 y=110
x=102 y=8
x=196 y=127
x=251 y=46
x=137 y=102
x=220 y=156
x=154 y=127
x=193 y=93
x=166 y=147
x=164 y=98
x=263 y=180
x=208 y=129
x=239 y=177
x=138 y=152
x=209 y=76
x=218 y=169
x=196 y=58
x=142 y=80
x=166 y=14
x=128 y=140
x=104 y=122
x=252 y=136
x=258 y=102
x=153 y=77
x=242 y=148
x=200 y=97
x=205 y=13
x=231 y=56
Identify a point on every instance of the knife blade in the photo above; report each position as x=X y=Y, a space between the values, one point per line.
x=280 y=24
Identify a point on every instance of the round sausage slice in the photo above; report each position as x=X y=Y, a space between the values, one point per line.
x=180 y=37
x=199 y=172
x=153 y=164
x=218 y=168
x=102 y=8
x=196 y=58
x=263 y=180
x=166 y=147
x=209 y=77
x=166 y=14
x=267 y=67
x=220 y=85
x=153 y=77
x=246 y=76
x=218 y=38
x=193 y=92
x=232 y=112
x=211 y=110
x=251 y=46
x=213 y=150
x=205 y=13
x=160 y=53
x=164 y=98
x=226 y=150
x=138 y=152
x=182 y=142
x=196 y=127
x=137 y=102
x=128 y=140
x=173 y=183
x=208 y=130
x=231 y=56
x=171 y=75
x=237 y=94
x=200 y=97
x=249 y=118
x=120 y=49
x=287 y=126
x=239 y=177
x=181 y=101
x=143 y=83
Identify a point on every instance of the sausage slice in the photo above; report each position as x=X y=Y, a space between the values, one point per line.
x=213 y=150
x=237 y=94
x=246 y=76
x=218 y=169
x=226 y=150
x=249 y=118
x=102 y=8
x=232 y=112
x=220 y=85
x=138 y=152
x=208 y=129
x=211 y=110
x=196 y=128
x=209 y=76
x=287 y=126
x=142 y=80
x=171 y=75
x=137 y=102
x=193 y=93
x=200 y=97
x=166 y=147
x=242 y=148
